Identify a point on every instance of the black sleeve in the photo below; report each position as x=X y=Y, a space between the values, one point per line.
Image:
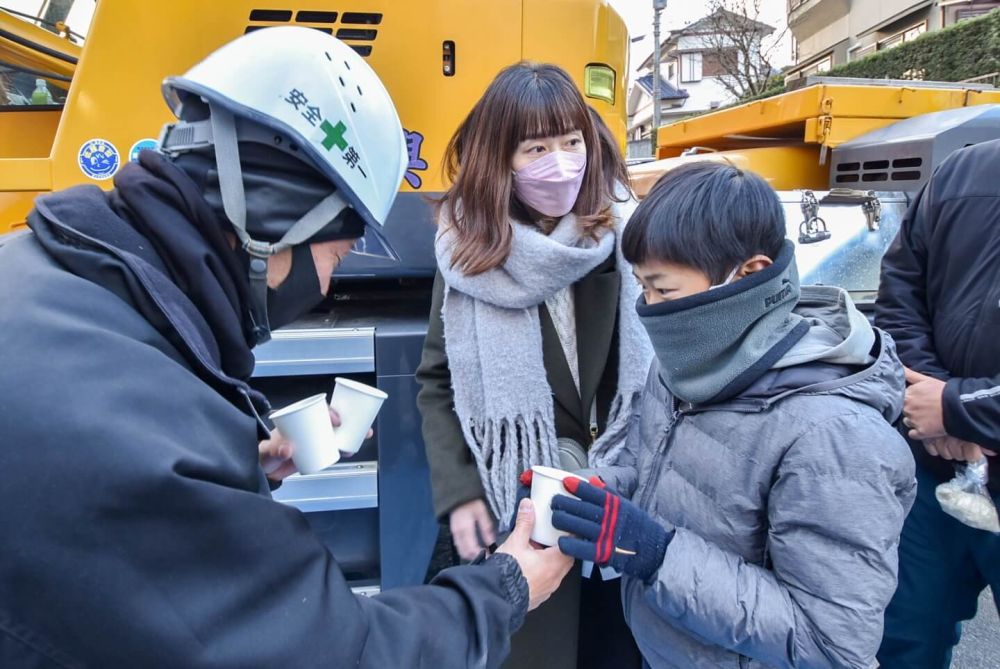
x=247 y=576
x=156 y=549
x=901 y=309
x=454 y=476
x=972 y=410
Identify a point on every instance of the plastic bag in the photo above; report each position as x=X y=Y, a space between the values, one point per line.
x=966 y=498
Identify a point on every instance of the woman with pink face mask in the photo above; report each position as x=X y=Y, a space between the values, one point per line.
x=534 y=353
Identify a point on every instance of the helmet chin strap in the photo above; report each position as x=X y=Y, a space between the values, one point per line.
x=227 y=156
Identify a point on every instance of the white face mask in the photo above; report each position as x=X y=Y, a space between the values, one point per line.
x=729 y=279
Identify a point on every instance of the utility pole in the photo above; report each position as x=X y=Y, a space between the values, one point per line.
x=56 y=11
x=658 y=6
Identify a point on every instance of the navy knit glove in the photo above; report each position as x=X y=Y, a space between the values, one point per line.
x=609 y=529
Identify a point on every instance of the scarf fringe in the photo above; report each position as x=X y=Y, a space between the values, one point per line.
x=492 y=332
x=505 y=447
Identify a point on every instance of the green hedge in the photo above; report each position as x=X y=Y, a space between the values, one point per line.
x=961 y=51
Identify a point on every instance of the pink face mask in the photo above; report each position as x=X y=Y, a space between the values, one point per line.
x=550 y=184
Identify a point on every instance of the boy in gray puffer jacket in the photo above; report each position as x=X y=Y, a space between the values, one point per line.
x=756 y=511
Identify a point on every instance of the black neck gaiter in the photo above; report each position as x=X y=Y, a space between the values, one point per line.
x=298 y=293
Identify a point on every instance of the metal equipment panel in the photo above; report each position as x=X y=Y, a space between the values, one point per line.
x=343 y=486
x=306 y=351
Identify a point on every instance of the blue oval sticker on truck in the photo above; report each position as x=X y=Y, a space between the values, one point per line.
x=147 y=143
x=99 y=159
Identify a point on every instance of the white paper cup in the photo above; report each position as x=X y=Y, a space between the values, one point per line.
x=307 y=425
x=546 y=483
x=357 y=405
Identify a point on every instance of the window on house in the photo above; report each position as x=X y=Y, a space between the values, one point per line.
x=863 y=51
x=963 y=14
x=890 y=43
x=690 y=67
x=822 y=65
x=914 y=32
x=672 y=72
x=908 y=35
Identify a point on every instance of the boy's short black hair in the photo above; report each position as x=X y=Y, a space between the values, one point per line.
x=706 y=215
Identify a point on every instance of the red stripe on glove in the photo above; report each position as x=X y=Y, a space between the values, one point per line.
x=572 y=484
x=610 y=541
x=600 y=556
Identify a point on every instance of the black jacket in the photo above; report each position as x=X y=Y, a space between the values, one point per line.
x=939 y=296
x=137 y=527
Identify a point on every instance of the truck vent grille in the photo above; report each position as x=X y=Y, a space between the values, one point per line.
x=875 y=171
x=316 y=17
x=324 y=22
x=271 y=15
x=360 y=18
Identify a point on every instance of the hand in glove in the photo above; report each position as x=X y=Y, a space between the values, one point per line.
x=609 y=529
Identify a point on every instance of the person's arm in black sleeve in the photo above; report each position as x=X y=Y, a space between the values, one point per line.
x=192 y=567
x=454 y=476
x=248 y=577
x=902 y=309
x=499 y=588
x=971 y=409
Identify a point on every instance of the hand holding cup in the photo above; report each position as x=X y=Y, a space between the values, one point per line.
x=276 y=453
x=543 y=569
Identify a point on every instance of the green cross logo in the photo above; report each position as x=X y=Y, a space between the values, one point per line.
x=334 y=135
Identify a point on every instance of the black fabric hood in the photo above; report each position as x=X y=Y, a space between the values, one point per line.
x=159 y=246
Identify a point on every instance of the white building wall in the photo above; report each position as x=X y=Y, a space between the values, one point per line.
x=825 y=39
x=705 y=95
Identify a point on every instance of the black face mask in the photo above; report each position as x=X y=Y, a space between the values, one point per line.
x=279 y=190
x=298 y=293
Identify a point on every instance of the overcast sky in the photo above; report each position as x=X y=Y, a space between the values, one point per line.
x=638 y=15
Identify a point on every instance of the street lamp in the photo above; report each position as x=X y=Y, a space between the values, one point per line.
x=658 y=6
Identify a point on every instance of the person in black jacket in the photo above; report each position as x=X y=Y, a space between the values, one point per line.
x=138 y=528
x=940 y=300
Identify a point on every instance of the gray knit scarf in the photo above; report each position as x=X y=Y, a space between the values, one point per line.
x=493 y=338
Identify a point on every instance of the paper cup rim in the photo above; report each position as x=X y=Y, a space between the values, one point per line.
x=361 y=387
x=298 y=406
x=553 y=473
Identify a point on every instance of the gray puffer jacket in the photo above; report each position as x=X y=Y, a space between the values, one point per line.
x=788 y=502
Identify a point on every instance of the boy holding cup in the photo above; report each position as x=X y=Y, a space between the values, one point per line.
x=756 y=512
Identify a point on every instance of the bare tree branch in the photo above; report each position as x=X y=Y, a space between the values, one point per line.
x=734 y=41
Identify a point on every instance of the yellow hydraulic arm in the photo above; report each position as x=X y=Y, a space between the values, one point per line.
x=44 y=53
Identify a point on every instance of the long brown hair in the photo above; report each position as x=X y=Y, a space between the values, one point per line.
x=525 y=101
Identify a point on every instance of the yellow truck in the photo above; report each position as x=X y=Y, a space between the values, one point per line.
x=436 y=58
x=790 y=138
x=846 y=157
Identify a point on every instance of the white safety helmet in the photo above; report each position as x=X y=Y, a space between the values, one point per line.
x=319 y=91
x=310 y=95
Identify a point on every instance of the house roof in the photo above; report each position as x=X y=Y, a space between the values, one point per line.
x=702 y=26
x=706 y=24
x=667 y=90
